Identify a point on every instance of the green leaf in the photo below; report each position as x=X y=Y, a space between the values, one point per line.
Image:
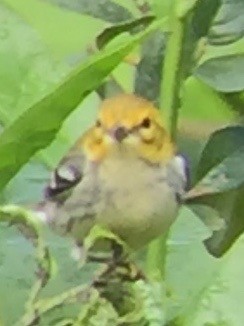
x=222 y=143
x=103 y=9
x=236 y=102
x=204 y=13
x=32 y=227
x=110 y=32
x=220 y=168
x=149 y=300
x=97 y=233
x=184 y=7
x=202 y=290
x=218 y=303
x=222 y=187
x=211 y=109
x=60 y=30
x=228 y=24
x=187 y=259
x=225 y=74
x=149 y=69
x=209 y=216
x=230 y=207
x=33 y=177
x=161 y=8
x=41 y=122
x=222 y=64
x=227 y=175
x=27 y=70
x=70 y=131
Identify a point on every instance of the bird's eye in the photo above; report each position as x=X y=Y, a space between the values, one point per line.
x=98 y=123
x=146 y=123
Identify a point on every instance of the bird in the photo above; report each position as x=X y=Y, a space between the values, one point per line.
x=124 y=174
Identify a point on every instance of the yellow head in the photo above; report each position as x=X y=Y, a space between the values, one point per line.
x=128 y=125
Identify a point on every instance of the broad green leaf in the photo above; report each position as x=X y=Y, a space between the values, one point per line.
x=227 y=175
x=27 y=71
x=124 y=77
x=202 y=290
x=210 y=217
x=230 y=207
x=103 y=9
x=200 y=17
x=221 y=52
x=224 y=73
x=33 y=177
x=41 y=122
x=222 y=143
x=222 y=64
x=219 y=302
x=75 y=124
x=203 y=104
x=149 y=70
x=221 y=188
x=18 y=272
x=110 y=32
x=223 y=215
x=187 y=259
x=60 y=30
x=220 y=168
x=198 y=285
x=228 y=24
x=15 y=215
x=149 y=299
x=204 y=13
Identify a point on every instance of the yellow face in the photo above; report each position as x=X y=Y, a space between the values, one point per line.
x=129 y=124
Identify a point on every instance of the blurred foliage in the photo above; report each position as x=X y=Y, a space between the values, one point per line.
x=221 y=176
x=40 y=124
x=53 y=75
x=222 y=64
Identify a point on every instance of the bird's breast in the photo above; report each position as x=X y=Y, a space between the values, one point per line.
x=136 y=201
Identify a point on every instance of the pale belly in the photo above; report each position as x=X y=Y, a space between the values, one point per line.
x=135 y=203
x=137 y=208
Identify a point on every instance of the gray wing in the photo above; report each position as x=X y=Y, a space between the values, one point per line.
x=66 y=176
x=64 y=208
x=178 y=176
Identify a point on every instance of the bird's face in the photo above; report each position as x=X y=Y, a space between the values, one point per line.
x=126 y=127
x=130 y=125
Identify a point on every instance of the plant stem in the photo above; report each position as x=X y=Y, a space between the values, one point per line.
x=156 y=258
x=172 y=77
x=172 y=73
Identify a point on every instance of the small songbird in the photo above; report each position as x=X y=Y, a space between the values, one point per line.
x=122 y=174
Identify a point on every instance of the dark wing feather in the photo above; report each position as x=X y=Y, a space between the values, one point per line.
x=67 y=174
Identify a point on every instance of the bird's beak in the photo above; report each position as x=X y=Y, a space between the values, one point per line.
x=119 y=133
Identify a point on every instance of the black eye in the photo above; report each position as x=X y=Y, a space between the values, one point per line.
x=98 y=123
x=146 y=123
